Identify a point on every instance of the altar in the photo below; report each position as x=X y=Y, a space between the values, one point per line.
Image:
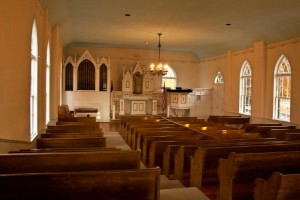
x=141 y=93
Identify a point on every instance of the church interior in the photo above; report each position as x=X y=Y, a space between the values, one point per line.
x=192 y=94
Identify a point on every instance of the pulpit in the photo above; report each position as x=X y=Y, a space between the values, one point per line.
x=179 y=101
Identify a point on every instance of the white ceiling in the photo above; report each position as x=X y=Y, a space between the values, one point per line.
x=198 y=26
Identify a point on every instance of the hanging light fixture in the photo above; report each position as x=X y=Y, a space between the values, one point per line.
x=159 y=68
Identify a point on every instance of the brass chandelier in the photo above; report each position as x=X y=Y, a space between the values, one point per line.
x=159 y=68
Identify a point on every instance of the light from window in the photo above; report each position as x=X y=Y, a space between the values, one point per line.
x=219 y=78
x=33 y=82
x=169 y=80
x=48 y=84
x=245 y=88
x=282 y=90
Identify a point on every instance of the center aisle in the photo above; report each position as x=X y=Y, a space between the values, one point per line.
x=169 y=189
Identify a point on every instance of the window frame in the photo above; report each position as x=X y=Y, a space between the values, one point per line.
x=34 y=82
x=245 y=89
x=171 y=75
x=282 y=113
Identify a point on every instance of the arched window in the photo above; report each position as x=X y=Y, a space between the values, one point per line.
x=169 y=80
x=86 y=75
x=103 y=77
x=69 y=77
x=282 y=90
x=245 y=88
x=34 y=83
x=219 y=78
x=48 y=83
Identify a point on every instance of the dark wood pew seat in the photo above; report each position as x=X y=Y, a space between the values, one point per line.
x=71 y=142
x=142 y=184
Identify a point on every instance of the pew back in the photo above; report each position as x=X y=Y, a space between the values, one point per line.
x=140 y=184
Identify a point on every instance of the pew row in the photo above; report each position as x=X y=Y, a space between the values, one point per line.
x=71 y=142
x=238 y=172
x=205 y=160
x=13 y=163
x=72 y=135
x=140 y=184
x=278 y=186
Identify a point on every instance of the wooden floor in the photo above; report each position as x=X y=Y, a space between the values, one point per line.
x=169 y=189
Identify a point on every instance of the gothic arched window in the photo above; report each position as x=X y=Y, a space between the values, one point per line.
x=245 y=88
x=282 y=89
x=103 y=77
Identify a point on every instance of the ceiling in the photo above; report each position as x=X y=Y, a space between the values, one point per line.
x=206 y=28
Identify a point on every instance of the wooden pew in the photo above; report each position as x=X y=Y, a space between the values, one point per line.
x=72 y=135
x=204 y=161
x=172 y=150
x=140 y=184
x=124 y=121
x=13 y=163
x=71 y=142
x=75 y=126
x=131 y=126
x=292 y=136
x=263 y=130
x=250 y=127
x=73 y=130
x=76 y=119
x=278 y=186
x=215 y=118
x=53 y=150
x=157 y=148
x=280 y=133
x=172 y=137
x=133 y=134
x=78 y=123
x=238 y=172
x=140 y=135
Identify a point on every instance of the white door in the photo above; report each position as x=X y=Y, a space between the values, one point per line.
x=217 y=99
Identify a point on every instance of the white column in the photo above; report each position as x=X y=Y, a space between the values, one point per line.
x=114 y=112
x=122 y=106
x=154 y=107
x=168 y=111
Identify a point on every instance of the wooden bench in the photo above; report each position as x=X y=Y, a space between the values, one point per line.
x=292 y=136
x=172 y=150
x=278 y=186
x=280 y=133
x=130 y=127
x=140 y=184
x=172 y=137
x=76 y=119
x=78 y=123
x=13 y=163
x=75 y=126
x=142 y=134
x=263 y=130
x=215 y=118
x=147 y=129
x=250 y=127
x=72 y=135
x=132 y=135
x=71 y=142
x=238 y=172
x=73 y=130
x=157 y=149
x=204 y=161
x=53 y=150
